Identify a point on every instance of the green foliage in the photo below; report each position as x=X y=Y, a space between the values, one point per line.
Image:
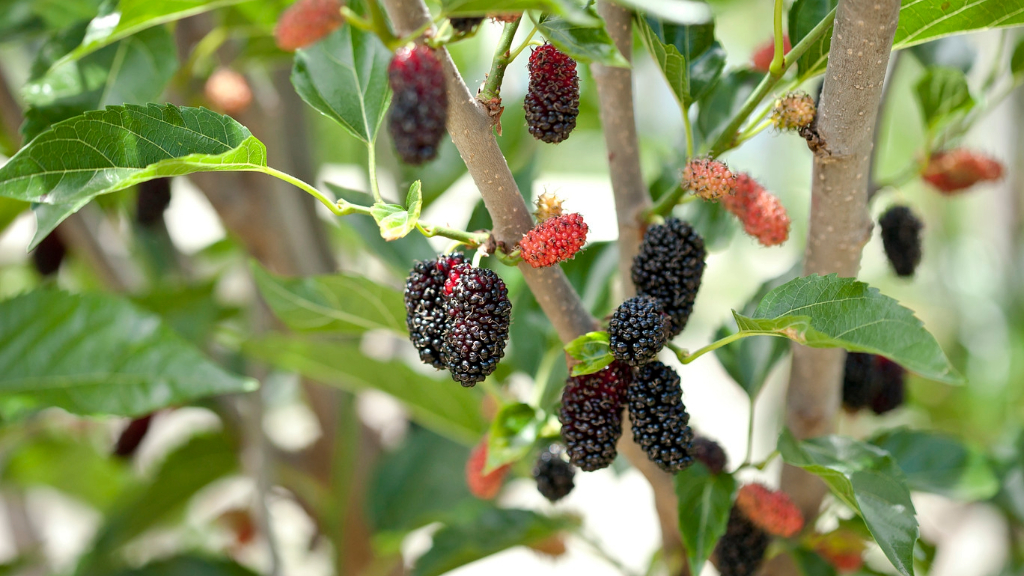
x=584 y=43
x=924 y=20
x=943 y=95
x=568 y=9
x=868 y=480
x=513 y=433
x=396 y=221
x=188 y=566
x=592 y=350
x=1017 y=61
x=810 y=564
x=678 y=11
x=99 y=354
x=689 y=56
x=940 y=464
x=723 y=101
x=803 y=17
x=345 y=77
x=705 y=500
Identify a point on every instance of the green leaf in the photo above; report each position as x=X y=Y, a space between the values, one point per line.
x=487 y=531
x=567 y=9
x=134 y=16
x=678 y=11
x=20 y=18
x=867 y=479
x=803 y=17
x=585 y=44
x=437 y=403
x=723 y=101
x=105 y=151
x=953 y=52
x=592 y=350
x=923 y=20
x=689 y=57
x=188 y=566
x=513 y=432
x=191 y=311
x=705 y=500
x=940 y=464
x=833 y=312
x=1017 y=61
x=9 y=210
x=811 y=564
x=132 y=71
x=345 y=77
x=943 y=95
x=99 y=354
x=332 y=303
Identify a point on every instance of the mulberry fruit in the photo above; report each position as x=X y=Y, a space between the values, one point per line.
x=872 y=381
x=709 y=179
x=419 y=106
x=956 y=170
x=669 y=267
x=132 y=436
x=762 y=215
x=659 y=417
x=152 y=201
x=49 y=254
x=741 y=550
x=228 y=91
x=478 y=314
x=793 y=111
x=901 y=238
x=842 y=548
x=710 y=453
x=554 y=475
x=465 y=25
x=548 y=206
x=770 y=510
x=638 y=330
x=425 y=306
x=306 y=22
x=553 y=98
x=765 y=53
x=483 y=486
x=591 y=416
x=554 y=240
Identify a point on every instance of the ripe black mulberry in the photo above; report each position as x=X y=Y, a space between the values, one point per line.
x=872 y=381
x=591 y=416
x=424 y=306
x=553 y=98
x=660 y=421
x=669 y=267
x=478 y=315
x=710 y=453
x=741 y=550
x=553 y=474
x=901 y=237
x=419 y=107
x=638 y=330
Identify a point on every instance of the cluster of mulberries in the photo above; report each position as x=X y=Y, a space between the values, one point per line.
x=710 y=453
x=793 y=111
x=901 y=238
x=770 y=510
x=419 y=106
x=660 y=421
x=553 y=474
x=741 y=549
x=553 y=98
x=465 y=25
x=872 y=381
x=765 y=53
x=638 y=330
x=591 y=416
x=709 y=179
x=458 y=317
x=956 y=170
x=306 y=22
x=554 y=240
x=669 y=267
x=761 y=213
x=483 y=486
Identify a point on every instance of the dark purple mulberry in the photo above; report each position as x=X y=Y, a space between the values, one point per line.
x=49 y=254
x=553 y=474
x=710 y=453
x=591 y=416
x=553 y=98
x=901 y=238
x=419 y=107
x=669 y=267
x=638 y=330
x=478 y=315
x=660 y=421
x=424 y=306
x=741 y=550
x=872 y=381
x=465 y=25
x=153 y=199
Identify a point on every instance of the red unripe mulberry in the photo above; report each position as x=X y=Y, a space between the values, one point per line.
x=306 y=22
x=770 y=510
x=959 y=169
x=483 y=486
x=765 y=53
x=761 y=213
x=419 y=106
x=709 y=179
x=553 y=98
x=228 y=91
x=554 y=240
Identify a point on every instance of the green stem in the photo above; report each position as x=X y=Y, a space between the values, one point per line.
x=356 y=20
x=472 y=239
x=338 y=208
x=726 y=140
x=380 y=24
x=750 y=433
x=777 y=67
x=527 y=42
x=371 y=162
x=686 y=357
x=689 y=134
x=502 y=58
x=511 y=259
x=543 y=377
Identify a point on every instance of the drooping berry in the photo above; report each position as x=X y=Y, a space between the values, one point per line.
x=549 y=205
x=765 y=53
x=228 y=91
x=132 y=435
x=419 y=106
x=554 y=240
x=872 y=381
x=465 y=25
x=591 y=416
x=553 y=98
x=669 y=267
x=710 y=453
x=794 y=111
x=956 y=170
x=901 y=238
x=153 y=199
x=483 y=486
x=49 y=254
x=707 y=178
x=553 y=474
x=424 y=306
x=771 y=510
x=306 y=22
x=761 y=213
x=478 y=315
x=638 y=330
x=660 y=421
x=741 y=550
x=891 y=388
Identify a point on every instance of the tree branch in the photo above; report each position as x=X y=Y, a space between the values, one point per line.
x=470 y=128
x=632 y=199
